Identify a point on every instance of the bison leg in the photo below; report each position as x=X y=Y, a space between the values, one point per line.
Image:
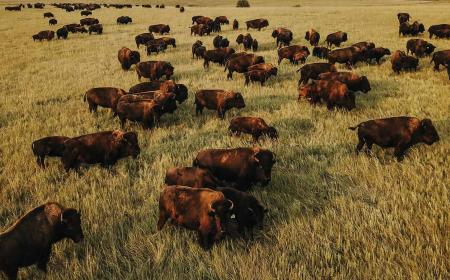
x=122 y=121
x=41 y=161
x=360 y=145
x=198 y=109
x=42 y=262
x=11 y=273
x=163 y=217
x=400 y=150
x=230 y=75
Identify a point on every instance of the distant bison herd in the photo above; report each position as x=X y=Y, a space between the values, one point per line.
x=205 y=196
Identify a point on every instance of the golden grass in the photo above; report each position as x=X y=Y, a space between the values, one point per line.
x=333 y=214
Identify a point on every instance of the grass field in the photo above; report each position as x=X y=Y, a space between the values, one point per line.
x=333 y=214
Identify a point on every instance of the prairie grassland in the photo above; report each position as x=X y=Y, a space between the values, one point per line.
x=333 y=214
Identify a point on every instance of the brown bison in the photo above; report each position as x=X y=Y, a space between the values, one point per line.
x=52 y=22
x=13 y=8
x=219 y=100
x=200 y=52
x=72 y=28
x=438 y=29
x=403 y=17
x=29 y=240
x=300 y=56
x=44 y=35
x=336 y=39
x=159 y=28
x=106 y=97
x=419 y=47
x=48 y=15
x=257 y=24
x=248 y=211
x=256 y=127
x=88 y=21
x=321 y=52
x=52 y=146
x=259 y=75
x=124 y=20
x=143 y=39
x=348 y=56
x=284 y=36
x=289 y=52
x=86 y=13
x=334 y=93
x=154 y=70
x=352 y=80
x=62 y=33
x=196 y=45
x=204 y=210
x=377 y=54
x=180 y=90
x=411 y=29
x=440 y=58
x=243 y=166
x=156 y=46
x=95 y=28
x=313 y=37
x=313 y=70
x=191 y=177
x=220 y=42
x=245 y=40
x=241 y=63
x=255 y=45
x=235 y=24
x=105 y=148
x=400 y=133
x=364 y=46
x=201 y=29
x=219 y=56
x=222 y=20
x=201 y=20
x=400 y=61
x=128 y=57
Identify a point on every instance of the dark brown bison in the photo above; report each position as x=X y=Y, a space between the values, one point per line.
x=321 y=52
x=289 y=52
x=300 y=56
x=44 y=35
x=124 y=20
x=48 y=15
x=106 y=97
x=222 y=20
x=52 y=146
x=440 y=58
x=256 y=127
x=155 y=46
x=348 y=56
x=400 y=61
x=284 y=36
x=261 y=66
x=128 y=57
x=259 y=75
x=438 y=29
x=241 y=63
x=159 y=28
x=219 y=100
x=182 y=9
x=334 y=93
x=180 y=90
x=201 y=29
x=86 y=13
x=219 y=56
x=353 y=81
x=313 y=70
x=88 y=21
x=377 y=54
x=245 y=40
x=313 y=37
x=191 y=177
x=257 y=23
x=143 y=39
x=411 y=29
x=419 y=47
x=169 y=41
x=248 y=211
x=400 y=133
x=62 y=33
x=255 y=45
x=336 y=39
x=72 y=27
x=196 y=45
x=403 y=17
x=52 y=21
x=200 y=52
x=201 y=20
x=105 y=148
x=220 y=42
x=204 y=210
x=154 y=70
x=364 y=46
x=29 y=240
x=235 y=24
x=95 y=28
x=243 y=166
x=13 y=8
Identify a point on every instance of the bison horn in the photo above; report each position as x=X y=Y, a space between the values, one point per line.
x=232 y=205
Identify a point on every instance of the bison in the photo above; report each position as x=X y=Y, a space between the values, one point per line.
x=290 y=51
x=256 y=127
x=377 y=54
x=403 y=17
x=222 y=20
x=336 y=39
x=201 y=29
x=86 y=13
x=96 y=28
x=313 y=37
x=348 y=56
x=124 y=20
x=245 y=40
x=143 y=39
x=196 y=45
x=192 y=177
x=106 y=97
x=321 y=52
x=219 y=56
x=159 y=28
x=88 y=21
x=220 y=42
x=440 y=58
x=352 y=80
x=333 y=92
x=257 y=24
x=241 y=63
x=284 y=36
x=259 y=75
x=48 y=15
x=313 y=70
x=44 y=35
x=438 y=29
x=400 y=133
x=180 y=90
x=52 y=22
x=154 y=70
x=29 y=240
x=52 y=146
x=401 y=61
x=411 y=29
x=219 y=100
x=235 y=24
x=128 y=57
x=156 y=45
x=419 y=47
x=62 y=32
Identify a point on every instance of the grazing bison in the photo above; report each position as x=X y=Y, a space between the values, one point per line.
x=438 y=29
x=219 y=56
x=154 y=70
x=243 y=166
x=222 y=20
x=411 y=29
x=191 y=177
x=13 y=8
x=62 y=33
x=105 y=148
x=182 y=9
x=241 y=63
x=48 y=15
x=200 y=52
x=400 y=133
x=256 y=127
x=220 y=42
x=300 y=56
x=124 y=20
x=202 y=20
x=52 y=146
x=143 y=39
x=246 y=40
x=128 y=57
x=168 y=41
x=419 y=47
x=196 y=45
x=44 y=35
x=352 y=80
x=313 y=37
x=159 y=28
x=219 y=100
x=204 y=210
x=88 y=21
x=332 y=92
x=180 y=90
x=235 y=24
x=156 y=46
x=201 y=29
x=289 y=52
x=440 y=58
x=257 y=24
x=284 y=36
x=401 y=61
x=29 y=240
x=75 y=28
x=52 y=22
x=106 y=97
x=86 y=13
x=377 y=54
x=259 y=75
x=96 y=28
x=403 y=17
x=313 y=70
x=348 y=56
x=364 y=46
x=321 y=52
x=336 y=39
x=248 y=211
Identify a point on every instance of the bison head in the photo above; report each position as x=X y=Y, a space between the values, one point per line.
x=264 y=23
x=259 y=59
x=168 y=70
x=135 y=57
x=307 y=35
x=271 y=132
x=429 y=48
x=344 y=37
x=70 y=225
x=421 y=28
x=275 y=33
x=127 y=143
x=240 y=39
x=387 y=52
x=264 y=161
x=273 y=71
x=238 y=100
x=224 y=43
x=428 y=132
x=181 y=92
x=220 y=210
x=365 y=85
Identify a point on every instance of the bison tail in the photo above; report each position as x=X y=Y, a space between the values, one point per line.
x=84 y=98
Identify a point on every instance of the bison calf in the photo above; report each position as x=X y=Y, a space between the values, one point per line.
x=256 y=127
x=52 y=146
